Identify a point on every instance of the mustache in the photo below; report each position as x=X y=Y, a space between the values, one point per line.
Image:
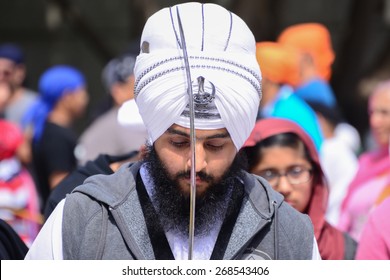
x=202 y=175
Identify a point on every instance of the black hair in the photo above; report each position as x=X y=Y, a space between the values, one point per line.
x=254 y=154
x=332 y=114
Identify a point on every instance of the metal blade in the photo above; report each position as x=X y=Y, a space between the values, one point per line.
x=191 y=233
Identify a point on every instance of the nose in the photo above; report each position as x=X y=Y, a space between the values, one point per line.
x=200 y=158
x=283 y=186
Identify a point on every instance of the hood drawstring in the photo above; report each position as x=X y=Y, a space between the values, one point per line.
x=103 y=233
x=276 y=241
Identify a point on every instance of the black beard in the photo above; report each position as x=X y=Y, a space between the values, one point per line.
x=173 y=206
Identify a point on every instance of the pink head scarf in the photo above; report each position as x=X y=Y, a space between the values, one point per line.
x=330 y=240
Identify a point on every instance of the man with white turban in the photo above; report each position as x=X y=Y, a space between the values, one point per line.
x=143 y=210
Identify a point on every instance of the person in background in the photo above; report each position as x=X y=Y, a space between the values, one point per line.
x=114 y=138
x=142 y=211
x=63 y=99
x=282 y=153
x=12 y=246
x=373 y=175
x=12 y=65
x=19 y=203
x=13 y=71
x=374 y=243
x=337 y=157
x=103 y=164
x=280 y=72
x=313 y=41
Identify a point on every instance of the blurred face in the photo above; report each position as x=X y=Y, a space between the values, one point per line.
x=379 y=112
x=6 y=70
x=215 y=153
x=288 y=172
x=121 y=92
x=19 y=75
x=77 y=102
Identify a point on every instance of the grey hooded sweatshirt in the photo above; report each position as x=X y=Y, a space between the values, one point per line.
x=103 y=219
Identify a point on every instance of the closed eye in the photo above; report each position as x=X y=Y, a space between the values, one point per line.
x=214 y=147
x=180 y=143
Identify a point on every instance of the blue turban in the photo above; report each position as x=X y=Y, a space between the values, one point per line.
x=12 y=52
x=53 y=84
x=317 y=91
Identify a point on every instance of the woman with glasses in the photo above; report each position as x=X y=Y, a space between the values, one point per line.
x=282 y=153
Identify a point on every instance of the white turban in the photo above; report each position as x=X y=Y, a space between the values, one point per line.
x=224 y=71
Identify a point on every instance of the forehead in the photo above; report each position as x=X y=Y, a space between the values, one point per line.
x=381 y=94
x=199 y=133
x=281 y=155
x=6 y=63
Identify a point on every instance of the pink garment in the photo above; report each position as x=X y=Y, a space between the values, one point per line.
x=371 y=179
x=375 y=239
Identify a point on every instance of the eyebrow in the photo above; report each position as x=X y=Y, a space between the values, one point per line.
x=214 y=136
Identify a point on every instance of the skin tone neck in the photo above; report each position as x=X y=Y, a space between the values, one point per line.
x=60 y=116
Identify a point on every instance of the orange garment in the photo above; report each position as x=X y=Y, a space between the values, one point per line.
x=278 y=63
x=383 y=195
x=314 y=39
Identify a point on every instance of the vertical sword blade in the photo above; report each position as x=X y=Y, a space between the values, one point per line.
x=191 y=233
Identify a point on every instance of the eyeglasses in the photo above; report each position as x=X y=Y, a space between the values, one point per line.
x=295 y=175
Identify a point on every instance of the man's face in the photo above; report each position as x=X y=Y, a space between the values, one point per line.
x=214 y=154
x=76 y=101
x=218 y=171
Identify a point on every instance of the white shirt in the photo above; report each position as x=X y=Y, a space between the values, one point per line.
x=41 y=249
x=339 y=164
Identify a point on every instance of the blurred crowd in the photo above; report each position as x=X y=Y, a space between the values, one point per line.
x=301 y=144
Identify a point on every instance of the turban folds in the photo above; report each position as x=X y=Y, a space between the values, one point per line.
x=314 y=39
x=225 y=75
x=278 y=63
